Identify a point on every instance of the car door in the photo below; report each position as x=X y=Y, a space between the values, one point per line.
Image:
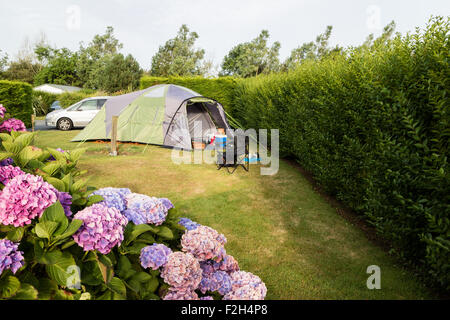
x=86 y=112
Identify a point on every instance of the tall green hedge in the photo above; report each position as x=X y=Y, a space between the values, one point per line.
x=220 y=89
x=17 y=98
x=373 y=126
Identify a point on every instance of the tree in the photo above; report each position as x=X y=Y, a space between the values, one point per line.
x=60 y=68
x=178 y=57
x=95 y=55
x=118 y=73
x=252 y=58
x=311 y=50
x=22 y=70
x=26 y=65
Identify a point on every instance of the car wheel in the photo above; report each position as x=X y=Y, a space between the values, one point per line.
x=64 y=124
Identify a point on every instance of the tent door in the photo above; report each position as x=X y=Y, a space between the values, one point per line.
x=199 y=120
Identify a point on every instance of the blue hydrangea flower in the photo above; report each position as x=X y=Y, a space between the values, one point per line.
x=167 y=203
x=114 y=197
x=188 y=223
x=218 y=281
x=144 y=209
x=154 y=256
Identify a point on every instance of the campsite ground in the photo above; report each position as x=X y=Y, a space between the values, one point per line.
x=277 y=227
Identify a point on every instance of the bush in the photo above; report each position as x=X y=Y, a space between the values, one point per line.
x=17 y=97
x=220 y=89
x=372 y=126
x=42 y=102
x=67 y=99
x=62 y=239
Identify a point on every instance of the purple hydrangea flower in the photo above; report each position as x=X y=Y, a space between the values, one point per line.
x=204 y=243
x=102 y=228
x=246 y=286
x=10 y=256
x=154 y=256
x=144 y=209
x=207 y=298
x=218 y=281
x=2 y=111
x=174 y=294
x=52 y=158
x=182 y=271
x=207 y=267
x=6 y=162
x=113 y=197
x=167 y=203
x=9 y=172
x=12 y=124
x=188 y=223
x=24 y=198
x=66 y=201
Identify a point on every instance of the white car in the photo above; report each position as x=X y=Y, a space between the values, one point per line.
x=77 y=115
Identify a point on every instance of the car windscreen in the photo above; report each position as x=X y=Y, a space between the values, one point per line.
x=72 y=108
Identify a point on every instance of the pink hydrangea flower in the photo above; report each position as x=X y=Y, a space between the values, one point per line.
x=247 y=293
x=12 y=124
x=174 y=294
x=228 y=264
x=24 y=198
x=9 y=172
x=204 y=243
x=246 y=286
x=102 y=228
x=182 y=271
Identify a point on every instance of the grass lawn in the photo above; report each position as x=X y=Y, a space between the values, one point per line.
x=277 y=226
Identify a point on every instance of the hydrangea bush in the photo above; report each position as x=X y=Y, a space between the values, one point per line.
x=62 y=239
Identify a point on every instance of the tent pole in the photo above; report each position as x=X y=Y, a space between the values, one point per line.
x=114 y=136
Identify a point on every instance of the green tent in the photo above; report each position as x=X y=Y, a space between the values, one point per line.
x=165 y=114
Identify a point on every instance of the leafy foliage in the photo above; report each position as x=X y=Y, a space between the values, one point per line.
x=178 y=57
x=60 y=68
x=55 y=267
x=220 y=89
x=17 y=97
x=119 y=73
x=311 y=50
x=252 y=58
x=373 y=128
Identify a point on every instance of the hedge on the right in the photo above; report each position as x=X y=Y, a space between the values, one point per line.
x=372 y=126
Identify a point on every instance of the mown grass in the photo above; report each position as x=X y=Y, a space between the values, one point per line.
x=277 y=226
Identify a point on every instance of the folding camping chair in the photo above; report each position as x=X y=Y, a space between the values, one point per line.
x=239 y=147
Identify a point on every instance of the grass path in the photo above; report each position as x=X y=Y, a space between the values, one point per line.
x=277 y=226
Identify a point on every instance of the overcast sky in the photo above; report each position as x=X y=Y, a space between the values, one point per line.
x=142 y=26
